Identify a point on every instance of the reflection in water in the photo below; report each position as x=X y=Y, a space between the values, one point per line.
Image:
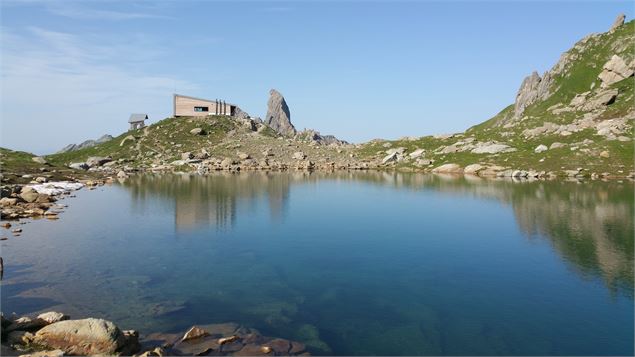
x=589 y=223
x=365 y=263
x=200 y=201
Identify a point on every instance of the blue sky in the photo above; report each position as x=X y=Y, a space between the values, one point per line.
x=75 y=70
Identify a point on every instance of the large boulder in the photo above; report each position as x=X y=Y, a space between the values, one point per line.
x=197 y=131
x=601 y=99
x=95 y=161
x=82 y=337
x=614 y=71
x=448 y=169
x=39 y=160
x=28 y=194
x=79 y=166
x=278 y=115
x=491 y=148
x=473 y=169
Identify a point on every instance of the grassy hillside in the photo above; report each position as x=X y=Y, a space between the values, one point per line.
x=222 y=137
x=577 y=72
x=597 y=138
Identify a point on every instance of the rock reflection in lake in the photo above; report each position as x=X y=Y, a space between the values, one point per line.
x=359 y=263
x=201 y=201
x=590 y=223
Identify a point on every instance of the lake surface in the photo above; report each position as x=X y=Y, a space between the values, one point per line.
x=349 y=263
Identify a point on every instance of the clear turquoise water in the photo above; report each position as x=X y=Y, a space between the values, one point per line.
x=351 y=264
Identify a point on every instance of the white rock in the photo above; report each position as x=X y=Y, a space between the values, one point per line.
x=541 y=148
x=492 y=148
x=389 y=158
x=56 y=188
x=415 y=154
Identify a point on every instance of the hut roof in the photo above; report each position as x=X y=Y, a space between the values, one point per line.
x=135 y=118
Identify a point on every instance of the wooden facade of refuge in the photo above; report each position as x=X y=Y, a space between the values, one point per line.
x=185 y=106
x=137 y=121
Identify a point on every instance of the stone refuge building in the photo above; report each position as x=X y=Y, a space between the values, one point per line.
x=185 y=106
x=137 y=121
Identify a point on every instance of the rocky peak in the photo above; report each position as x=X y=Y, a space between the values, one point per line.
x=532 y=88
x=619 y=21
x=278 y=115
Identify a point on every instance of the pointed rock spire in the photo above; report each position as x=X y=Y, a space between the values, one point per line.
x=278 y=115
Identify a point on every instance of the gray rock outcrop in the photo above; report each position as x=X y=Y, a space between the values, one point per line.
x=278 y=115
x=95 y=161
x=532 y=89
x=619 y=21
x=315 y=136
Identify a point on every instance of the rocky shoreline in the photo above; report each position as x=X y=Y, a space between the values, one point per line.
x=54 y=334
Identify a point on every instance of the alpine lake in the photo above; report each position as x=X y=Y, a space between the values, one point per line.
x=349 y=263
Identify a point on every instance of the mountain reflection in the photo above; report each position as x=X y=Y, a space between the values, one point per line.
x=590 y=224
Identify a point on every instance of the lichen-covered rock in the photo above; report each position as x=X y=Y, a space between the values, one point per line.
x=82 y=337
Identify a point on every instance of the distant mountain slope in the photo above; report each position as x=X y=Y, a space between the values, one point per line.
x=579 y=114
x=85 y=144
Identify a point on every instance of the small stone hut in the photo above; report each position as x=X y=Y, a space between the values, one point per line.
x=137 y=121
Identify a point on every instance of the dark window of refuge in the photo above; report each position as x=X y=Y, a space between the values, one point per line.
x=201 y=109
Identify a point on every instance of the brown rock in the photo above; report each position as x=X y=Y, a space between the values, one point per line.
x=196 y=347
x=297 y=347
x=6 y=202
x=234 y=346
x=253 y=350
x=280 y=346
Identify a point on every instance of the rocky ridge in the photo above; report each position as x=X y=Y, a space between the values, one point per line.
x=574 y=120
x=86 y=144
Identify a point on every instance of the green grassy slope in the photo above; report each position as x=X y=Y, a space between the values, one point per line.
x=580 y=74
